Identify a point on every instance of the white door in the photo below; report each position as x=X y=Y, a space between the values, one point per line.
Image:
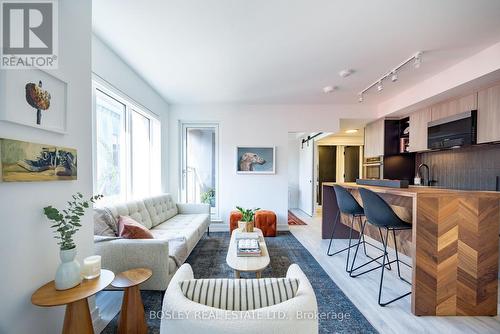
x=306 y=185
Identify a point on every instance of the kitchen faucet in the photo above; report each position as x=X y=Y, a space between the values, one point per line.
x=428 y=174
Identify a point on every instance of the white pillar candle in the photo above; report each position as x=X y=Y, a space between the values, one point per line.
x=91 y=267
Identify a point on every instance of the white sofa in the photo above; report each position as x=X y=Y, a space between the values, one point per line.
x=176 y=228
x=180 y=314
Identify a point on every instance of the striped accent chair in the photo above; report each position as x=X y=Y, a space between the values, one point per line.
x=240 y=294
x=239 y=305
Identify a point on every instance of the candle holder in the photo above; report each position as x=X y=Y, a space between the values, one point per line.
x=91 y=267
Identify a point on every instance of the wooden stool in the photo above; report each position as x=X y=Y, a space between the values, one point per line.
x=132 y=318
x=77 y=317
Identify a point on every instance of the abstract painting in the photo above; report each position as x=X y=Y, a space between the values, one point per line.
x=255 y=160
x=22 y=161
x=34 y=98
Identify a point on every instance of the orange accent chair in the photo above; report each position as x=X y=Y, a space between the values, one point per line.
x=265 y=220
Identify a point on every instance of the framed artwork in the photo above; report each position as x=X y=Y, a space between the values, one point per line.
x=22 y=161
x=255 y=160
x=33 y=98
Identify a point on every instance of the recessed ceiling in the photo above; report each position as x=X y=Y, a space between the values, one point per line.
x=285 y=52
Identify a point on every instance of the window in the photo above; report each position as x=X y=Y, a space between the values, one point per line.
x=110 y=147
x=200 y=165
x=127 y=147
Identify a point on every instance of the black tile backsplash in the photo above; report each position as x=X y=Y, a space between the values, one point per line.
x=471 y=168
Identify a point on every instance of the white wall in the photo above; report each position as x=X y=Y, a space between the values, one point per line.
x=109 y=67
x=28 y=254
x=255 y=125
x=293 y=170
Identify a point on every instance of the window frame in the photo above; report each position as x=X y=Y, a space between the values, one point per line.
x=131 y=106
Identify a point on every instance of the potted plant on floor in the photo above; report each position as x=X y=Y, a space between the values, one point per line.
x=208 y=197
x=246 y=224
x=66 y=224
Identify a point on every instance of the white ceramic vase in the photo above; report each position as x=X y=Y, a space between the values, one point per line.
x=68 y=273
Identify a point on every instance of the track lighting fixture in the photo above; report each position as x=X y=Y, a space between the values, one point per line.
x=417 y=61
x=394 y=76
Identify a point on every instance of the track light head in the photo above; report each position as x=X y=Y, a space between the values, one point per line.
x=360 y=99
x=380 y=87
x=394 y=76
x=418 y=60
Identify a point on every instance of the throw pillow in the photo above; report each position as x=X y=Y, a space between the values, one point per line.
x=104 y=223
x=128 y=228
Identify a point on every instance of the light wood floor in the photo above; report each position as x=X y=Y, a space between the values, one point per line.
x=363 y=291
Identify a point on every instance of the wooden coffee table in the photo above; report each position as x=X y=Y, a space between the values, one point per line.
x=132 y=318
x=247 y=263
x=77 y=318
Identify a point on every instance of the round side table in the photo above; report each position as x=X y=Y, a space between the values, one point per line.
x=132 y=318
x=77 y=317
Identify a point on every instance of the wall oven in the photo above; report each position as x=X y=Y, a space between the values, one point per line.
x=373 y=168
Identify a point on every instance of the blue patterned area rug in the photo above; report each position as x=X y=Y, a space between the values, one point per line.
x=208 y=259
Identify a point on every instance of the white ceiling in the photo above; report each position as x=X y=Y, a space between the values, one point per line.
x=283 y=51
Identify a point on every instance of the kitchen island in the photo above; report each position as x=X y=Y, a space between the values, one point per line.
x=453 y=244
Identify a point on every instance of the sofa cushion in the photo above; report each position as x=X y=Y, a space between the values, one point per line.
x=134 y=209
x=161 y=208
x=104 y=223
x=240 y=294
x=128 y=228
x=190 y=234
x=180 y=221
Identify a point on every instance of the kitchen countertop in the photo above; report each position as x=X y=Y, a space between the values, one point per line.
x=412 y=191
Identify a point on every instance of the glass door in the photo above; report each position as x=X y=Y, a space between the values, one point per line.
x=200 y=165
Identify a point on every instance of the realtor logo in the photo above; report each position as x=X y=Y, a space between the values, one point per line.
x=29 y=34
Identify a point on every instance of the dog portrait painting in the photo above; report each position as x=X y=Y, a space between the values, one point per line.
x=255 y=160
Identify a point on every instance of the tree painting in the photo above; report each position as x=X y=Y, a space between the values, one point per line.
x=37 y=98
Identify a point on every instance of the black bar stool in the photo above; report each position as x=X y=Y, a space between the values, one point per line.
x=381 y=215
x=348 y=205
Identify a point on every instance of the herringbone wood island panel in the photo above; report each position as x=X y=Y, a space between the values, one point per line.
x=456 y=247
x=453 y=244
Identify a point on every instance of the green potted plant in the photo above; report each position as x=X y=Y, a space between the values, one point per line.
x=208 y=197
x=246 y=223
x=65 y=224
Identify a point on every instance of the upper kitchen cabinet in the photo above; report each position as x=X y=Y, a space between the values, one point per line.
x=453 y=107
x=488 y=115
x=374 y=139
x=418 y=129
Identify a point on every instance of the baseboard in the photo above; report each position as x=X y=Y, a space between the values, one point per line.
x=218 y=227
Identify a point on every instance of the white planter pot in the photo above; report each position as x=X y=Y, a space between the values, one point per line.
x=68 y=273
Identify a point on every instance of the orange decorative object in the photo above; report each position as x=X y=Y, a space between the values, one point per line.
x=234 y=218
x=264 y=220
